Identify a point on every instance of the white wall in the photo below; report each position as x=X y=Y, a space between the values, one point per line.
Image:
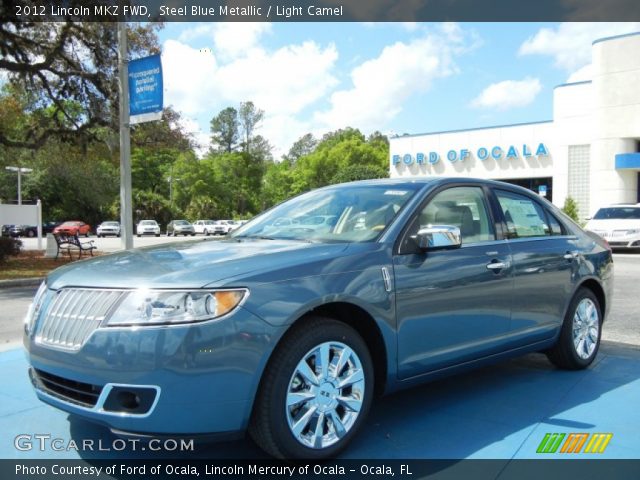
x=616 y=104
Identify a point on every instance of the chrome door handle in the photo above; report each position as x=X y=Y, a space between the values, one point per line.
x=497 y=265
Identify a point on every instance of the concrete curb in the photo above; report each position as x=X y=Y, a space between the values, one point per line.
x=21 y=282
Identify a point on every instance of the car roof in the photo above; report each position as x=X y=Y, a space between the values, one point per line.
x=435 y=181
x=623 y=205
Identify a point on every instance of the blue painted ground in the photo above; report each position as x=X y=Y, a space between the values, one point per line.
x=499 y=412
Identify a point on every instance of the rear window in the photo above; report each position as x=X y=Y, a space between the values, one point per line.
x=618 y=213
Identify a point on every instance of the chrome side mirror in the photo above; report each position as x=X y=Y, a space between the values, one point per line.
x=433 y=237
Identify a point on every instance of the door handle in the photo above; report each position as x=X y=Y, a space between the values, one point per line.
x=497 y=265
x=570 y=255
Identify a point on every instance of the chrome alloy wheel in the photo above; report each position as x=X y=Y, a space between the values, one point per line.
x=586 y=328
x=325 y=395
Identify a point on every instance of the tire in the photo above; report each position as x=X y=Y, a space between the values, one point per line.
x=579 y=339
x=157 y=234
x=273 y=423
x=138 y=235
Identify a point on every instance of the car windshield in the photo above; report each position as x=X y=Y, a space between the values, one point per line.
x=346 y=213
x=148 y=222
x=618 y=213
x=70 y=224
x=181 y=222
x=110 y=224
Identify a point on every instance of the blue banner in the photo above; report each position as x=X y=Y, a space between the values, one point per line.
x=145 y=89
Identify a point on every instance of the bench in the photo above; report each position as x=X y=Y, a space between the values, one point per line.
x=69 y=243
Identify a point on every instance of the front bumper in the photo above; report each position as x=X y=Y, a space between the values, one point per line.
x=193 y=379
x=149 y=232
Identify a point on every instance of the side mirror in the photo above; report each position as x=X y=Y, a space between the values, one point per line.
x=435 y=237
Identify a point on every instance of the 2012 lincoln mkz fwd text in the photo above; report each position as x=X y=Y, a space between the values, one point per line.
x=292 y=325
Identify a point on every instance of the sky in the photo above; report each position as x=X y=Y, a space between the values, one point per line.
x=395 y=78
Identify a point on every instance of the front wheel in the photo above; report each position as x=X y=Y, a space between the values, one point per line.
x=315 y=392
x=579 y=339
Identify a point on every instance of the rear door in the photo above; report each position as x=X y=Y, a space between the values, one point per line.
x=544 y=258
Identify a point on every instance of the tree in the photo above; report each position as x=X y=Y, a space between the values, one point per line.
x=352 y=173
x=301 y=147
x=69 y=68
x=224 y=130
x=249 y=119
x=336 y=151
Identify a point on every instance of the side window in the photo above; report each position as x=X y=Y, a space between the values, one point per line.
x=462 y=207
x=554 y=225
x=524 y=217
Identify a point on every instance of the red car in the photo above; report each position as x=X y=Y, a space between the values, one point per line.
x=73 y=227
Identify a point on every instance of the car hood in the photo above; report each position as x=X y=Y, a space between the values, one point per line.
x=613 y=224
x=189 y=264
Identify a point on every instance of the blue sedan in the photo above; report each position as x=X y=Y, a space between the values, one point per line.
x=290 y=331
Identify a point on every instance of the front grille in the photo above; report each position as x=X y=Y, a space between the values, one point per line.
x=73 y=315
x=79 y=393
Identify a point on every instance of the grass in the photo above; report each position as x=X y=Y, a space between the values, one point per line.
x=32 y=263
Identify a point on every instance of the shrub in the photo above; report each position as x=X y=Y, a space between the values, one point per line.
x=9 y=246
x=571 y=209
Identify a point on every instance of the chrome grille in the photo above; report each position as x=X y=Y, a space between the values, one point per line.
x=73 y=315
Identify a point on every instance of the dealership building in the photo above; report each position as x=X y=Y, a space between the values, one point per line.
x=590 y=151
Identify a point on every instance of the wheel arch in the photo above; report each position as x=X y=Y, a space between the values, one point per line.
x=596 y=288
x=358 y=319
x=366 y=326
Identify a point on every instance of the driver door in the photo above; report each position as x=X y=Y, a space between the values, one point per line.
x=452 y=305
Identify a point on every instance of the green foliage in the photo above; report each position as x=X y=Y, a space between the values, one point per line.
x=335 y=152
x=9 y=246
x=225 y=130
x=72 y=87
x=202 y=208
x=571 y=209
x=352 y=173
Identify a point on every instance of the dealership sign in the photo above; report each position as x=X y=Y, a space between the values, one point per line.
x=461 y=155
x=145 y=89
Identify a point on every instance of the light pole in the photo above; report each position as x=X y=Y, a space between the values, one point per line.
x=20 y=171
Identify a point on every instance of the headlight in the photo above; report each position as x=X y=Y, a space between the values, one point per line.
x=156 y=307
x=34 y=307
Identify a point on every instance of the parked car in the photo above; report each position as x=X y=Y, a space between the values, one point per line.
x=291 y=333
x=180 y=227
x=205 y=227
x=618 y=224
x=108 y=228
x=6 y=230
x=49 y=227
x=23 y=231
x=73 y=227
x=148 y=227
x=229 y=225
x=220 y=228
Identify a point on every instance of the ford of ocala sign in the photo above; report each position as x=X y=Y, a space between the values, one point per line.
x=482 y=153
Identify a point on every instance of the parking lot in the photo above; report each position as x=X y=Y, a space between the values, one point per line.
x=113 y=244
x=499 y=412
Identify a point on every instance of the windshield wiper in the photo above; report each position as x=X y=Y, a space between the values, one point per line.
x=255 y=237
